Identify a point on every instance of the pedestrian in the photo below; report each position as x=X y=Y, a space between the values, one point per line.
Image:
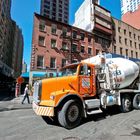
x=26 y=94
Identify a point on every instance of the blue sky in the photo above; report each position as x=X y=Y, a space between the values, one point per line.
x=22 y=12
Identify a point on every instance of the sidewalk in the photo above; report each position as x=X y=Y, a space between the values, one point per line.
x=19 y=99
x=15 y=104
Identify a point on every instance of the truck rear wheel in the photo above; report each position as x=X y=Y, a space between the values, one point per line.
x=126 y=103
x=136 y=101
x=70 y=115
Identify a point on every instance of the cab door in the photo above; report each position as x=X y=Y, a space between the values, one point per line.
x=86 y=80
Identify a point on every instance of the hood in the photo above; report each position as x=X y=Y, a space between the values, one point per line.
x=53 y=85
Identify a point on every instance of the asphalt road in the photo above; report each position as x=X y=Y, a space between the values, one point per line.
x=19 y=122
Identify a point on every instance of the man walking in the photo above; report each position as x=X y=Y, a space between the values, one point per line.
x=26 y=94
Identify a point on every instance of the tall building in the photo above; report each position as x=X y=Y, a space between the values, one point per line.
x=6 y=38
x=55 y=9
x=8 y=44
x=126 y=40
x=130 y=10
x=129 y=6
x=96 y=19
x=24 y=67
x=56 y=44
x=17 y=54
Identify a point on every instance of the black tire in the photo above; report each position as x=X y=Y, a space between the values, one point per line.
x=70 y=115
x=126 y=103
x=136 y=101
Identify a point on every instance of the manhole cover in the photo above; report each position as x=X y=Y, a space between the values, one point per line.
x=71 y=138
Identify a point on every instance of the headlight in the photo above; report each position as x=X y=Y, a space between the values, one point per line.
x=52 y=97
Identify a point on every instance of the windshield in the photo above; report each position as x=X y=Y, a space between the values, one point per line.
x=71 y=70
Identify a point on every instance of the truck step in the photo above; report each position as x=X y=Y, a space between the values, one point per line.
x=94 y=112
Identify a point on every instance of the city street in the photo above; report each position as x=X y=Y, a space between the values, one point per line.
x=19 y=122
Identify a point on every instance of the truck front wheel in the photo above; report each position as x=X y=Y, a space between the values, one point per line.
x=126 y=103
x=70 y=115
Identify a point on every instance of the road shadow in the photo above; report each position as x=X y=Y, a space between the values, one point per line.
x=51 y=121
x=6 y=95
x=111 y=111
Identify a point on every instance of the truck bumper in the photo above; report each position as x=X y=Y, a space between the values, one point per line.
x=42 y=110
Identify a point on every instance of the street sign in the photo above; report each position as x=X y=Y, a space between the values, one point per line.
x=20 y=80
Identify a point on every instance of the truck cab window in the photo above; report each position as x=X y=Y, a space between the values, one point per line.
x=82 y=71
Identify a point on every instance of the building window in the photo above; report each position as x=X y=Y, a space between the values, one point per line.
x=129 y=34
x=124 y=31
x=134 y=36
x=82 y=49
x=121 y=51
x=64 y=46
x=115 y=49
x=64 y=31
x=126 y=52
x=119 y=29
x=125 y=41
x=42 y=26
x=53 y=43
x=89 y=50
x=53 y=63
x=135 y=45
x=120 y=39
x=139 y=38
x=74 y=35
x=136 y=54
x=40 y=61
x=64 y=61
x=74 y=48
x=97 y=52
x=132 y=54
x=41 y=40
x=130 y=43
x=89 y=39
x=54 y=28
x=82 y=36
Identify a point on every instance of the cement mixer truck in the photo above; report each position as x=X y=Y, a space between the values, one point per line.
x=88 y=87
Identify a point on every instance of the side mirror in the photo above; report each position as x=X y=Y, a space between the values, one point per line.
x=85 y=69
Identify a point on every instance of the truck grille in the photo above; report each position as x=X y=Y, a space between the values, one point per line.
x=37 y=91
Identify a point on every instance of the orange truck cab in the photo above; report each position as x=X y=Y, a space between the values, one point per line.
x=64 y=96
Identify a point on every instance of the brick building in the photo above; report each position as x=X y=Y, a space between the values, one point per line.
x=55 y=44
x=126 y=40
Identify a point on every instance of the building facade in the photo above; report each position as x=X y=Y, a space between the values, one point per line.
x=55 y=9
x=129 y=6
x=8 y=29
x=56 y=44
x=130 y=9
x=96 y=19
x=126 y=40
x=17 y=54
x=6 y=38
